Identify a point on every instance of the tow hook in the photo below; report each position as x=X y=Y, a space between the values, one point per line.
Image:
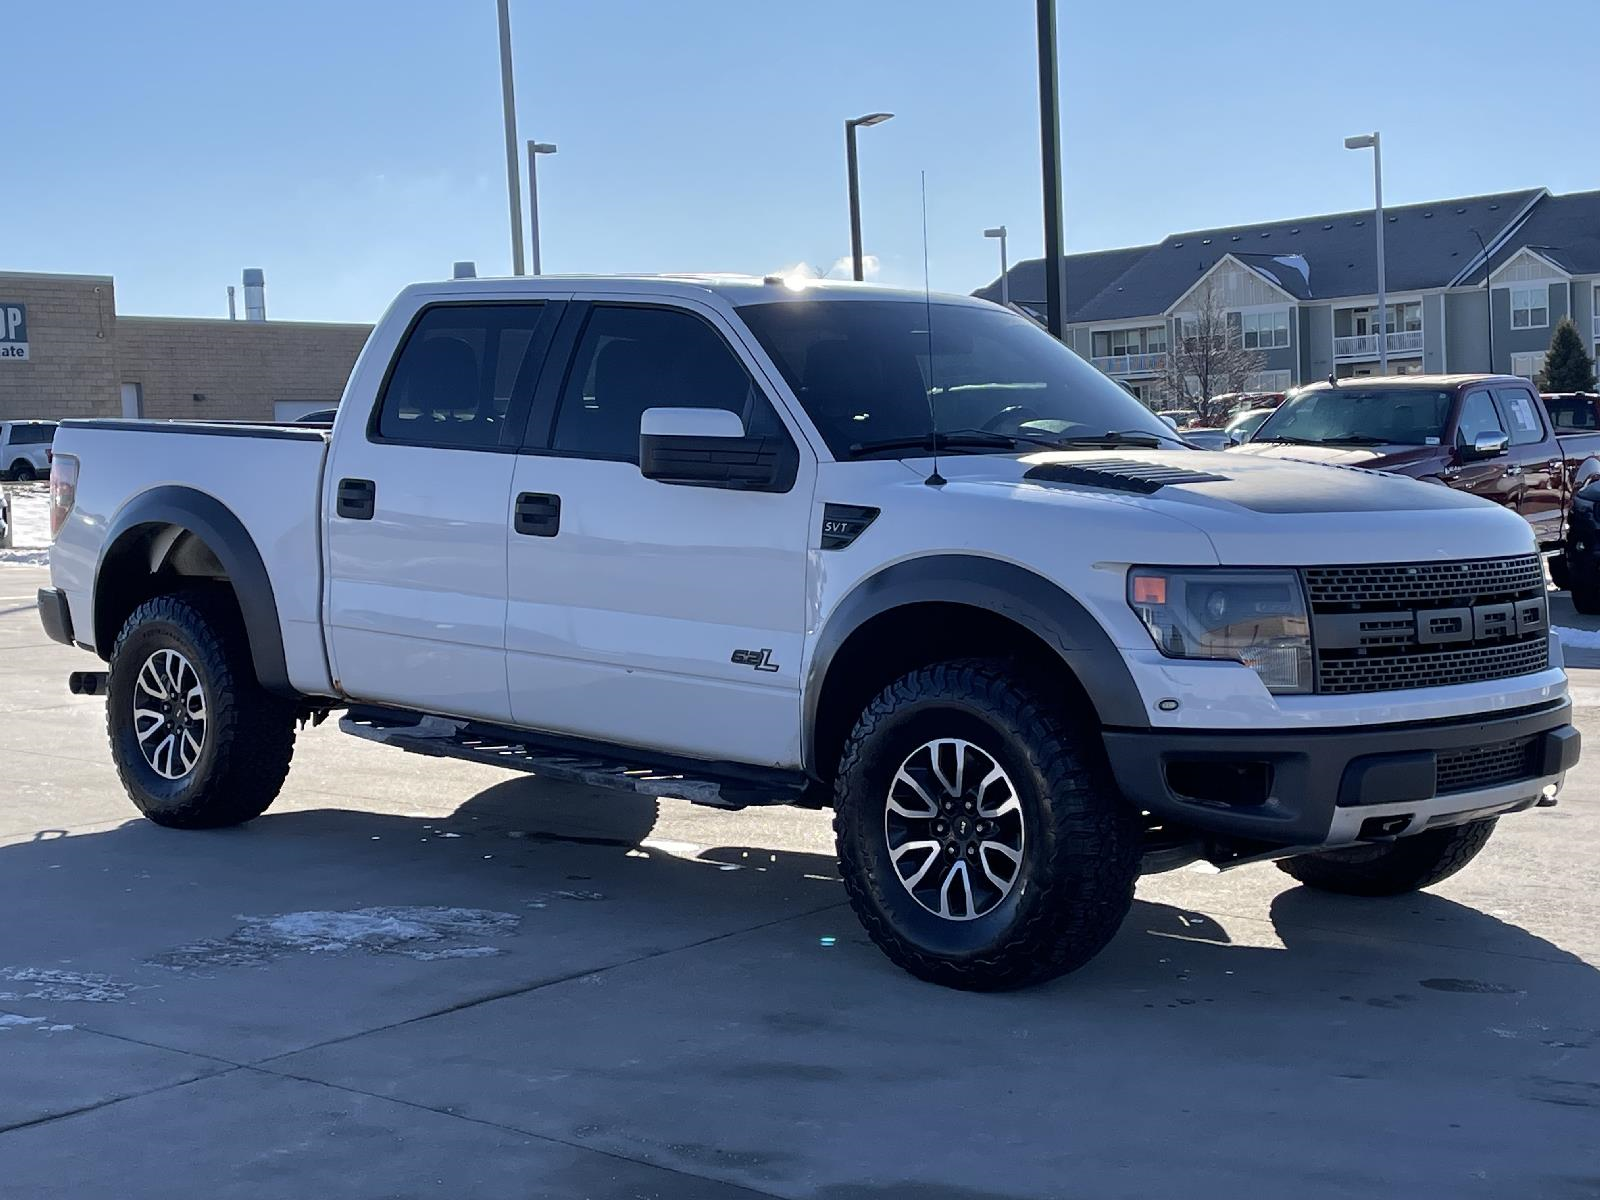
x=87 y=683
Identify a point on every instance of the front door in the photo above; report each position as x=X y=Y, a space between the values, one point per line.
x=664 y=616
x=417 y=511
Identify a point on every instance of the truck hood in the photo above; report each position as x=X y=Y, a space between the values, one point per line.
x=1401 y=458
x=1257 y=509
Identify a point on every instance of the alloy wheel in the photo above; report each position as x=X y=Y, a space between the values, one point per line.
x=169 y=714
x=955 y=830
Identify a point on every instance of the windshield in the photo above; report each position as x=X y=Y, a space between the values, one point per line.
x=863 y=372
x=1371 y=416
x=1247 y=423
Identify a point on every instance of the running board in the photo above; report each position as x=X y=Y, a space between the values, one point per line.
x=551 y=758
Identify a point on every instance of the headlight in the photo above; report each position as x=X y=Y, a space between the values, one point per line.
x=1253 y=617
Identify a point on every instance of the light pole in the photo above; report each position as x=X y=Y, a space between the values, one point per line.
x=1362 y=142
x=508 y=102
x=534 y=150
x=850 y=127
x=1488 y=297
x=999 y=231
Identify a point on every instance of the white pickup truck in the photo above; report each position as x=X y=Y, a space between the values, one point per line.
x=751 y=541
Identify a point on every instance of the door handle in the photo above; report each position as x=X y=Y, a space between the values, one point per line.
x=538 y=514
x=357 y=499
x=1514 y=469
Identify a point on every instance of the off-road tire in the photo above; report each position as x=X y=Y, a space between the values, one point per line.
x=1392 y=868
x=1585 y=592
x=249 y=735
x=1080 y=860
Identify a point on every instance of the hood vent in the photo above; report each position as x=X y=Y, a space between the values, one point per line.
x=1118 y=474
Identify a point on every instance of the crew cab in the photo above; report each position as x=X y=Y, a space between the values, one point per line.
x=1487 y=435
x=747 y=541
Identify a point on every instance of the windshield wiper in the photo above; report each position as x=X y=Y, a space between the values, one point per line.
x=1281 y=440
x=1355 y=439
x=1118 y=437
x=931 y=442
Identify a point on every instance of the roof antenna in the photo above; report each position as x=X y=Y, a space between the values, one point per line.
x=935 y=479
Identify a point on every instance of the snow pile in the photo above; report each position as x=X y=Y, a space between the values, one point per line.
x=424 y=934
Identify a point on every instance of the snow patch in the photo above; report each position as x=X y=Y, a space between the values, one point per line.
x=30 y=518
x=407 y=932
x=12 y=1020
x=25 y=558
x=46 y=983
x=1582 y=639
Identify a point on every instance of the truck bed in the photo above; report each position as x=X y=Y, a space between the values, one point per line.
x=268 y=476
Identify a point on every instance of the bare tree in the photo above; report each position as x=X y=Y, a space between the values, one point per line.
x=1208 y=359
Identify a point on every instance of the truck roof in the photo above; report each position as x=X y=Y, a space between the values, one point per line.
x=1410 y=382
x=734 y=288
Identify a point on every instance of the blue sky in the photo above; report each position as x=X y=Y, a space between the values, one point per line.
x=351 y=146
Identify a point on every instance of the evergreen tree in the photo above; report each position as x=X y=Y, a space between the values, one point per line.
x=1567 y=365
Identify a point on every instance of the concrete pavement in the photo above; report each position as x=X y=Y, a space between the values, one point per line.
x=425 y=978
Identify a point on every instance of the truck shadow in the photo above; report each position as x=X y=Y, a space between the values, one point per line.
x=128 y=899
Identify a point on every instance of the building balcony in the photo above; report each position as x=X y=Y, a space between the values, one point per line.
x=1131 y=364
x=1365 y=345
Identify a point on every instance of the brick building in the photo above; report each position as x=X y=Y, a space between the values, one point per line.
x=83 y=360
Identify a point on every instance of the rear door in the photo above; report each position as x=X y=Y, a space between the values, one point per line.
x=419 y=504
x=660 y=615
x=1486 y=477
x=1534 y=456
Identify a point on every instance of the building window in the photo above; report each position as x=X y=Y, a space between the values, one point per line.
x=1268 y=381
x=1527 y=365
x=1117 y=342
x=1260 y=330
x=1530 y=307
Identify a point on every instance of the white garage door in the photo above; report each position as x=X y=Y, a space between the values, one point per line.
x=293 y=410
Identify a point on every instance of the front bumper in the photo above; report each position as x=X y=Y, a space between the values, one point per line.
x=1334 y=787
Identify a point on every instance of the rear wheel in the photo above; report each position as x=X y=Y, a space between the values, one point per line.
x=1392 y=868
x=197 y=741
x=22 y=471
x=981 y=839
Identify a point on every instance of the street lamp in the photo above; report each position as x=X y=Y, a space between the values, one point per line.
x=877 y=118
x=1362 y=142
x=999 y=231
x=1488 y=296
x=534 y=150
x=508 y=104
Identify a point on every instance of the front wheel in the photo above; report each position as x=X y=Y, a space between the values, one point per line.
x=982 y=841
x=1392 y=868
x=198 y=742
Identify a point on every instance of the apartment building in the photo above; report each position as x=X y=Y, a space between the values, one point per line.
x=1461 y=275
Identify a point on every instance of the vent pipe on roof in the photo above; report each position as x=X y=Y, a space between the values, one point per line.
x=255 y=294
x=465 y=269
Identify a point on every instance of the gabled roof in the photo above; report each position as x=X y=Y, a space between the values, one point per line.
x=1563 y=229
x=1087 y=274
x=1319 y=257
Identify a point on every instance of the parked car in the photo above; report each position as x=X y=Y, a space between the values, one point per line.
x=725 y=540
x=1233 y=403
x=25 y=449
x=1178 y=418
x=1581 y=561
x=7 y=534
x=1244 y=424
x=1486 y=435
x=1207 y=439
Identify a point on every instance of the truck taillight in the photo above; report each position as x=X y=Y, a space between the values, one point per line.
x=63 y=490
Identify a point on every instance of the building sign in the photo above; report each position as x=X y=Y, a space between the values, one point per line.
x=13 y=330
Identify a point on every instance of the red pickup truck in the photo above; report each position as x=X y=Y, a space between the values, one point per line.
x=1486 y=434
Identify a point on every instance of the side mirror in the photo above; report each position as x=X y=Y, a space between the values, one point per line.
x=1489 y=444
x=708 y=447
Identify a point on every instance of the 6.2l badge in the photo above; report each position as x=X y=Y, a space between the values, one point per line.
x=761 y=660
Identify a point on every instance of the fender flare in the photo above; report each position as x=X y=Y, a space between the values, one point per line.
x=1032 y=601
x=208 y=519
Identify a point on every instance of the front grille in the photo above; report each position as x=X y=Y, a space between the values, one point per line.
x=1395 y=626
x=1480 y=582
x=1486 y=766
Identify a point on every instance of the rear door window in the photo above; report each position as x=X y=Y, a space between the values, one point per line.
x=464 y=376
x=1571 y=412
x=1521 y=413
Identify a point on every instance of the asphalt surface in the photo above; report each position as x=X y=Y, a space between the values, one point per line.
x=426 y=978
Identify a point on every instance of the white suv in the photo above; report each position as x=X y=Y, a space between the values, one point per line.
x=25 y=449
